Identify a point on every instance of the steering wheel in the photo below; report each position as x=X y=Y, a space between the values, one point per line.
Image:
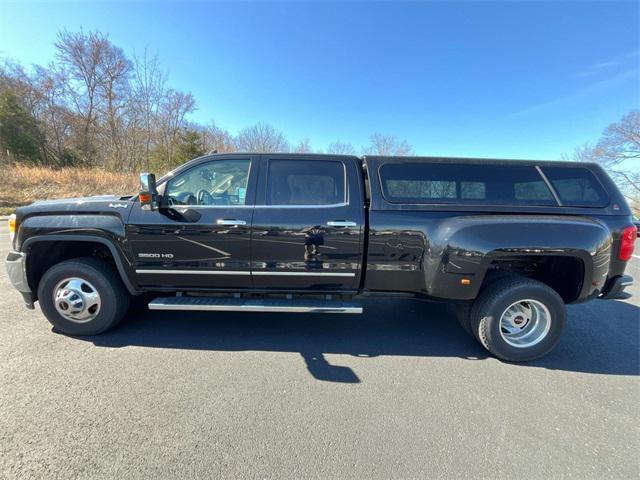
x=182 y=198
x=204 y=197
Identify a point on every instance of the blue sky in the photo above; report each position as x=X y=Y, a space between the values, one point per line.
x=483 y=79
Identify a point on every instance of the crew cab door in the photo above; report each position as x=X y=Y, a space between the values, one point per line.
x=200 y=235
x=308 y=223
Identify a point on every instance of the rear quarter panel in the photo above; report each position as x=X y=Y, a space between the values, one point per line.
x=430 y=253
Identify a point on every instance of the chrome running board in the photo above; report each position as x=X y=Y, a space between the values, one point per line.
x=254 y=305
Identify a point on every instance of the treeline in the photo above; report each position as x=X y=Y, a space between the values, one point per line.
x=95 y=106
x=618 y=151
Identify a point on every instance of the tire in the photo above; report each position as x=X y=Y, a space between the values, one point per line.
x=463 y=314
x=89 y=276
x=524 y=334
x=463 y=310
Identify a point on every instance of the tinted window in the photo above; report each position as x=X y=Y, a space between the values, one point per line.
x=473 y=190
x=576 y=187
x=463 y=183
x=220 y=182
x=305 y=182
x=532 y=191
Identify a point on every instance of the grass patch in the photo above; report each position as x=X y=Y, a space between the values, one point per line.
x=22 y=184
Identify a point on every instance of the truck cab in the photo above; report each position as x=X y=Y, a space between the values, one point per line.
x=253 y=222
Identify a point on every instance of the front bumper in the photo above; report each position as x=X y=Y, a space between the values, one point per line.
x=16 y=264
x=616 y=286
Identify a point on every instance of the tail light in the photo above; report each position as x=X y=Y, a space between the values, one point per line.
x=12 y=227
x=627 y=242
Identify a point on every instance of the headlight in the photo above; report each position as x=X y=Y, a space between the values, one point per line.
x=12 y=227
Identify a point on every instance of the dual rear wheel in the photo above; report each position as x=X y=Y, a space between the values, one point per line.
x=516 y=319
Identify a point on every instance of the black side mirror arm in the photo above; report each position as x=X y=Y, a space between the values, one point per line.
x=148 y=192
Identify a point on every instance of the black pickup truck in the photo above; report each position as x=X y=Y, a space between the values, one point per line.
x=508 y=242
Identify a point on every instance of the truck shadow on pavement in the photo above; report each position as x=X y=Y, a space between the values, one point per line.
x=601 y=337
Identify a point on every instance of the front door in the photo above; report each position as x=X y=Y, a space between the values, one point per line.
x=308 y=224
x=200 y=236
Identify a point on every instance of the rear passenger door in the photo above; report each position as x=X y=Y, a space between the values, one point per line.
x=308 y=223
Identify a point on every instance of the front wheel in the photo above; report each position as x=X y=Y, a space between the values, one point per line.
x=518 y=319
x=83 y=296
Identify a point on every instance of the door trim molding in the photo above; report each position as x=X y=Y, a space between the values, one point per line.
x=194 y=272
x=314 y=274
x=244 y=272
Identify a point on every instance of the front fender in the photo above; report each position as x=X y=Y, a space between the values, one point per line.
x=108 y=230
x=105 y=226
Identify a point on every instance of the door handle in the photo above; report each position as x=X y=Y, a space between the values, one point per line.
x=341 y=223
x=231 y=222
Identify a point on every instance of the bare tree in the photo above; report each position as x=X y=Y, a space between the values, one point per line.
x=341 y=148
x=582 y=153
x=80 y=55
x=175 y=106
x=114 y=90
x=97 y=76
x=620 y=141
x=14 y=77
x=382 y=144
x=303 y=146
x=148 y=91
x=56 y=119
x=261 y=137
x=618 y=151
x=215 y=139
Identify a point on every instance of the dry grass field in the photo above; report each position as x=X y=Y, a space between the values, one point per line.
x=21 y=185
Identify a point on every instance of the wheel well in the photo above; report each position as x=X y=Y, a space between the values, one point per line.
x=45 y=254
x=564 y=274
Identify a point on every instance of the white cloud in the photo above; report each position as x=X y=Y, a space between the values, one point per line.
x=601 y=65
x=571 y=98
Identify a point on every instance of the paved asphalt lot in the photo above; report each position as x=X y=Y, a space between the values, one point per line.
x=398 y=392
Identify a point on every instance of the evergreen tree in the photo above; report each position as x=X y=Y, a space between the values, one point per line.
x=20 y=135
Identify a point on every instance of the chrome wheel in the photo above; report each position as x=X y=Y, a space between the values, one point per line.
x=76 y=299
x=525 y=323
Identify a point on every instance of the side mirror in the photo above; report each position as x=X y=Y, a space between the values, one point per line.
x=148 y=194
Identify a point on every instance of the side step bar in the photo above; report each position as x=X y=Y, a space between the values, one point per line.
x=254 y=305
